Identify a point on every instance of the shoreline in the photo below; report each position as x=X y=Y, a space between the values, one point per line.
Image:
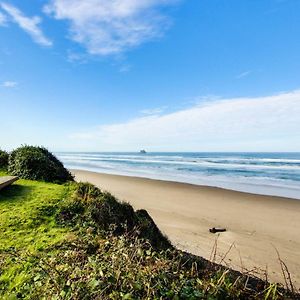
x=281 y=191
x=194 y=184
x=256 y=224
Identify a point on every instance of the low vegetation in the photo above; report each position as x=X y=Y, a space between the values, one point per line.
x=100 y=212
x=74 y=241
x=37 y=163
x=3 y=159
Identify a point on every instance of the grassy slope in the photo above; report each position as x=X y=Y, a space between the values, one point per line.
x=40 y=259
x=25 y=226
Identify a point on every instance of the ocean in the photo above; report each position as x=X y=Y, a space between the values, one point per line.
x=260 y=173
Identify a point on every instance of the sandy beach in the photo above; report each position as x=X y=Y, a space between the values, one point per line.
x=255 y=224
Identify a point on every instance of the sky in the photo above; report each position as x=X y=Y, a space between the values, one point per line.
x=160 y=75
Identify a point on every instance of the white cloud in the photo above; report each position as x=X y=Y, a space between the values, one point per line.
x=125 y=68
x=153 y=111
x=243 y=74
x=29 y=25
x=243 y=124
x=2 y=19
x=9 y=84
x=107 y=27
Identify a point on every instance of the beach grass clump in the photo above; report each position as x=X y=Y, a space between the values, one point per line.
x=126 y=267
x=90 y=207
x=101 y=212
x=37 y=163
x=3 y=159
x=123 y=267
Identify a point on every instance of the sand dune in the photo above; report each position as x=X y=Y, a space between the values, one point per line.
x=256 y=224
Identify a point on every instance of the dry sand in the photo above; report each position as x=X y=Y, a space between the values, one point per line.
x=256 y=224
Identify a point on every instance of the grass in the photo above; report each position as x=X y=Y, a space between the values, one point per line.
x=74 y=242
x=27 y=226
x=22 y=226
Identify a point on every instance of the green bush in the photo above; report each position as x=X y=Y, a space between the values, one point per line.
x=3 y=159
x=89 y=207
x=37 y=163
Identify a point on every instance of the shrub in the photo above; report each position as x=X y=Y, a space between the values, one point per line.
x=89 y=207
x=37 y=163
x=3 y=159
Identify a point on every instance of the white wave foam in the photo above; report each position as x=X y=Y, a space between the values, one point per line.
x=259 y=177
x=203 y=164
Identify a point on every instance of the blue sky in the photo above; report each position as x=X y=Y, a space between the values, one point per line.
x=165 y=75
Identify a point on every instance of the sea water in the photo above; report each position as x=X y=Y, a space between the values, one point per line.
x=261 y=173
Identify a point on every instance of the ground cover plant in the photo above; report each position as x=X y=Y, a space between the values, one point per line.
x=74 y=241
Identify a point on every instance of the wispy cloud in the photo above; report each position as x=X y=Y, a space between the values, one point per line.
x=125 y=68
x=29 y=25
x=106 y=27
x=153 y=111
x=244 y=124
x=243 y=74
x=9 y=84
x=2 y=19
x=75 y=57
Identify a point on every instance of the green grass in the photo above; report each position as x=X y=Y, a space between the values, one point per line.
x=24 y=221
x=55 y=244
x=27 y=226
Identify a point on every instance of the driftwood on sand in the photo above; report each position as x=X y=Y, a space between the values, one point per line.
x=215 y=230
